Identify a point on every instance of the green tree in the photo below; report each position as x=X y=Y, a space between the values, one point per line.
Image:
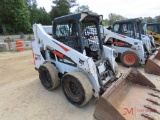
x=83 y=8
x=71 y=3
x=61 y=7
x=157 y=19
x=113 y=17
x=34 y=12
x=44 y=17
x=148 y=19
x=105 y=22
x=14 y=16
x=38 y=15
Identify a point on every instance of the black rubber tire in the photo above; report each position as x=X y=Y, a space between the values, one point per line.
x=136 y=57
x=80 y=82
x=116 y=69
x=48 y=75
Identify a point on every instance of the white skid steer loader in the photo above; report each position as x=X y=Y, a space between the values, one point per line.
x=83 y=65
x=134 y=46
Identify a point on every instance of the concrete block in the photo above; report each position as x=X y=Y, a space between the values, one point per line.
x=1 y=41
x=13 y=46
x=4 y=47
x=27 y=44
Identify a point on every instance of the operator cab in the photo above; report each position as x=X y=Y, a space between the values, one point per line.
x=135 y=29
x=131 y=27
x=154 y=29
x=81 y=32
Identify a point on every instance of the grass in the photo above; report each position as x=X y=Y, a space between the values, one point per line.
x=8 y=40
x=3 y=52
x=29 y=38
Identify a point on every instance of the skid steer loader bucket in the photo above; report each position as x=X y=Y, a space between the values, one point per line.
x=131 y=97
x=153 y=64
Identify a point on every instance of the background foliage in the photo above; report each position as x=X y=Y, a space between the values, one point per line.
x=18 y=16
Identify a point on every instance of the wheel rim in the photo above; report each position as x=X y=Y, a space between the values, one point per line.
x=129 y=59
x=73 y=90
x=45 y=78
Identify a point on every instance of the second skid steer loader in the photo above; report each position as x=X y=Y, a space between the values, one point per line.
x=154 y=29
x=77 y=59
x=134 y=46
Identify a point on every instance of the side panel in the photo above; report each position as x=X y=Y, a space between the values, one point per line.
x=147 y=43
x=110 y=54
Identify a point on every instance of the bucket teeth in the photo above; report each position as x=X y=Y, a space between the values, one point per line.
x=149 y=117
x=153 y=100
x=153 y=109
x=154 y=95
x=157 y=90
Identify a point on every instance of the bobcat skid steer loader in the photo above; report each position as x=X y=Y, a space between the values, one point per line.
x=154 y=29
x=134 y=46
x=84 y=66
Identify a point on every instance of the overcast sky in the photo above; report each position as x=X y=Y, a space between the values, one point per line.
x=126 y=8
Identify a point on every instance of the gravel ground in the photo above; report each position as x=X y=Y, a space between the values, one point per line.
x=24 y=98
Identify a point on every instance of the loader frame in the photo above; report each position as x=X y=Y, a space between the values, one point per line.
x=135 y=39
x=154 y=30
x=66 y=58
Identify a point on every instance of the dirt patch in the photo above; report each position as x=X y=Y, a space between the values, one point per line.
x=24 y=98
